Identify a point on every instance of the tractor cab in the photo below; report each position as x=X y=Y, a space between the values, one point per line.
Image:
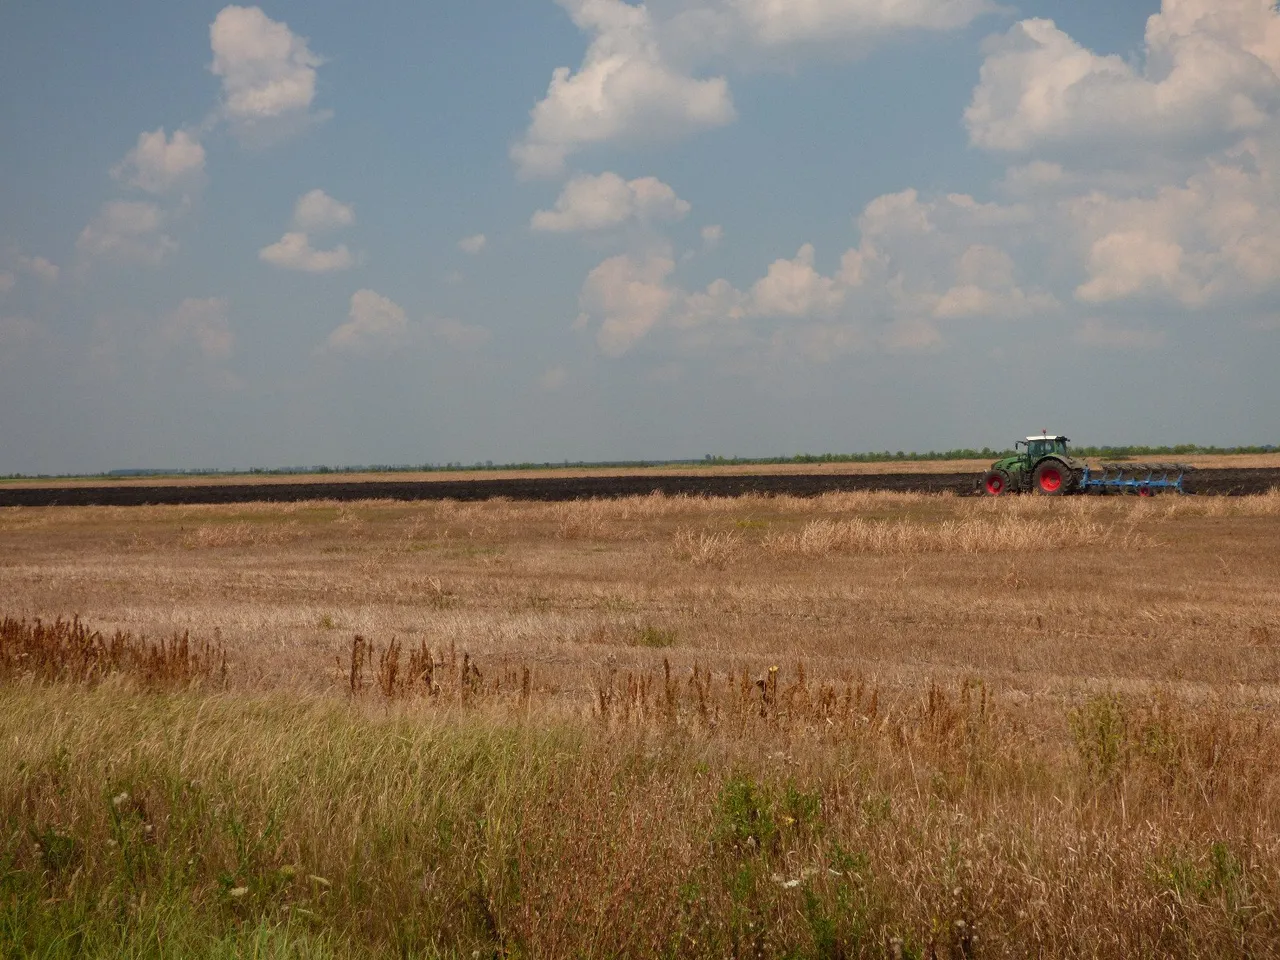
x=1043 y=446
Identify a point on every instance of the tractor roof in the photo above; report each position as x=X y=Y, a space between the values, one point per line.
x=1047 y=437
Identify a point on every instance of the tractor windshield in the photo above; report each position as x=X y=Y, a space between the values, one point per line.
x=1043 y=448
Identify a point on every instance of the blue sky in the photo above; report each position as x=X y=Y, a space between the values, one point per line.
x=304 y=233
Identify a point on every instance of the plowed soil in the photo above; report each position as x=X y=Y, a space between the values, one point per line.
x=1222 y=482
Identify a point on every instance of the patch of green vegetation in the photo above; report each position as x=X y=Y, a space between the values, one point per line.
x=655 y=637
x=1100 y=730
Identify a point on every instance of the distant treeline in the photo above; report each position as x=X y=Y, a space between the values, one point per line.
x=710 y=460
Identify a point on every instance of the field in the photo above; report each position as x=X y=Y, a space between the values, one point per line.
x=1234 y=475
x=861 y=724
x=1231 y=461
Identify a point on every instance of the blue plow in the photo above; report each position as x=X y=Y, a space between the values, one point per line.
x=1144 y=479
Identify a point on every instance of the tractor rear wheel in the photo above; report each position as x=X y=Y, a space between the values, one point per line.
x=995 y=483
x=1052 y=479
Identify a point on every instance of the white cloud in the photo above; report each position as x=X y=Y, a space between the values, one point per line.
x=375 y=324
x=7 y=281
x=919 y=262
x=624 y=89
x=1128 y=261
x=1098 y=334
x=599 y=202
x=127 y=231
x=202 y=324
x=473 y=245
x=712 y=235
x=268 y=73
x=630 y=296
x=1213 y=238
x=45 y=270
x=293 y=251
x=1210 y=72
x=721 y=302
x=644 y=73
x=460 y=336
x=793 y=288
x=316 y=211
x=160 y=164
x=985 y=287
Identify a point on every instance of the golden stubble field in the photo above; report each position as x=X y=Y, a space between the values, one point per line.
x=864 y=724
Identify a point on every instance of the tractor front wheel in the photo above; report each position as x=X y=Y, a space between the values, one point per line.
x=995 y=483
x=1051 y=479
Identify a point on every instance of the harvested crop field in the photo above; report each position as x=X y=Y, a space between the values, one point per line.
x=552 y=487
x=851 y=724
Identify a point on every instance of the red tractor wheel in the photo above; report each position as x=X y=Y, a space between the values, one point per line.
x=1145 y=492
x=995 y=483
x=1051 y=479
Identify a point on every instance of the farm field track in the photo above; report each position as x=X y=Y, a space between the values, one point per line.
x=556 y=487
x=857 y=723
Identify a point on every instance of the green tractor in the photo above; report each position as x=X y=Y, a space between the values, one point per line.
x=1043 y=465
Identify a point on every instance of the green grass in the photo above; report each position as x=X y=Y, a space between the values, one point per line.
x=135 y=825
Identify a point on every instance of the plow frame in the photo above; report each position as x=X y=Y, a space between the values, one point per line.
x=1143 y=479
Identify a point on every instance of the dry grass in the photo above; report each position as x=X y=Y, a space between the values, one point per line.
x=858 y=725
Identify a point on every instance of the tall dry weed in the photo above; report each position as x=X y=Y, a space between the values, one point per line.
x=68 y=651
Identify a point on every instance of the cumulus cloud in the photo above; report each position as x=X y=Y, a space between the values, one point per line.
x=630 y=296
x=473 y=245
x=720 y=303
x=316 y=211
x=712 y=234
x=624 y=89
x=202 y=324
x=793 y=288
x=1159 y=176
x=268 y=73
x=1156 y=179
x=651 y=70
x=127 y=231
x=1210 y=73
x=160 y=164
x=1215 y=237
x=375 y=324
x=597 y=203
x=920 y=264
x=293 y=251
x=985 y=287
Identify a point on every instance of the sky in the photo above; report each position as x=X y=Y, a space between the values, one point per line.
x=547 y=230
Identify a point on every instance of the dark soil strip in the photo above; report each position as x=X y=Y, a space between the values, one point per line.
x=1221 y=482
